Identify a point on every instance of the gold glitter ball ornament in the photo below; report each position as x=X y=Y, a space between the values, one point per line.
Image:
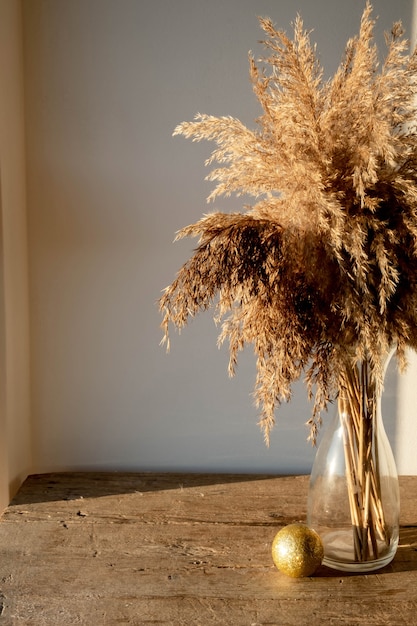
x=297 y=550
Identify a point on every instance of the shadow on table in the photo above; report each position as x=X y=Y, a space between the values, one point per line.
x=406 y=557
x=52 y=487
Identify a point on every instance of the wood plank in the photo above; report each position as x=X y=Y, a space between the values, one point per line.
x=114 y=548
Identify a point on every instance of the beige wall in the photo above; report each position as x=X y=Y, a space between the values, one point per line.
x=106 y=83
x=15 y=452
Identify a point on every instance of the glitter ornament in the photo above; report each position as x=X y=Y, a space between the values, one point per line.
x=297 y=550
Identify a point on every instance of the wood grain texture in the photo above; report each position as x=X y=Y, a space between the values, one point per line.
x=180 y=549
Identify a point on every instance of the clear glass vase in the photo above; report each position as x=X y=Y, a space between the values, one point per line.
x=353 y=500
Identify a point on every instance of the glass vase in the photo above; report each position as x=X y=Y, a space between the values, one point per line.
x=353 y=500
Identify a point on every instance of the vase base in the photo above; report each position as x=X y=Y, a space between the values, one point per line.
x=360 y=568
x=338 y=554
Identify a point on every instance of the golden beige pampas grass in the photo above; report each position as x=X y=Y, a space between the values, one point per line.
x=324 y=263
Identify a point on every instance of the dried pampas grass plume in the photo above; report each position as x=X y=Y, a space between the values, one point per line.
x=324 y=263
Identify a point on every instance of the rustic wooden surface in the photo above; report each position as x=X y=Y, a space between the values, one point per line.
x=121 y=548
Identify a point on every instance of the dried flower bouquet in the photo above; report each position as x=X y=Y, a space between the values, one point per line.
x=325 y=261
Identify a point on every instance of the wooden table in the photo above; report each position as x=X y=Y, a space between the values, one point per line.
x=182 y=549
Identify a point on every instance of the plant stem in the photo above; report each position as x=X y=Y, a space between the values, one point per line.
x=358 y=411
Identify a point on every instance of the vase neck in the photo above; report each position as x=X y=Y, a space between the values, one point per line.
x=365 y=371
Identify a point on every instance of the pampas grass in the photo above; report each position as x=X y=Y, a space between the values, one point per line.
x=325 y=259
